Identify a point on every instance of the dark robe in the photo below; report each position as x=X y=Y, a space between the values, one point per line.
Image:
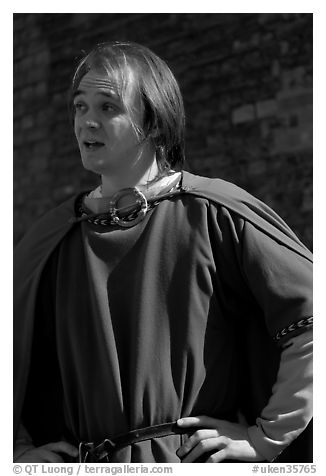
x=117 y=329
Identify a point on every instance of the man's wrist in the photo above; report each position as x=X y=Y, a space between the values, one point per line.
x=20 y=449
x=265 y=446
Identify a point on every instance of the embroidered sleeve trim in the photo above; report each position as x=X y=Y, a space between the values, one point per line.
x=292 y=327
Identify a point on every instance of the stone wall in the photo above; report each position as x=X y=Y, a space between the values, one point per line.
x=247 y=85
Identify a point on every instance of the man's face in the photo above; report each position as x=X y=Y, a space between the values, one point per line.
x=107 y=141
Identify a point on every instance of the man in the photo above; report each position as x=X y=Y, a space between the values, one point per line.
x=146 y=309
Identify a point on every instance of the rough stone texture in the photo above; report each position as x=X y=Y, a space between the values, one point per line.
x=247 y=86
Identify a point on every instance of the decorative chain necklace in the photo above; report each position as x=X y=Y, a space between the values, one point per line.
x=126 y=216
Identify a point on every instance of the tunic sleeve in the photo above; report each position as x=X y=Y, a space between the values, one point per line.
x=23 y=443
x=281 y=282
x=289 y=409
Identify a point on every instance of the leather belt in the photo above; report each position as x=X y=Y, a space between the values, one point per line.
x=92 y=453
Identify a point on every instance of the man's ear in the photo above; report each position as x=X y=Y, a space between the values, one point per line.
x=155 y=132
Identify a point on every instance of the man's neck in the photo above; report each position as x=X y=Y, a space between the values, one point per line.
x=141 y=179
x=148 y=184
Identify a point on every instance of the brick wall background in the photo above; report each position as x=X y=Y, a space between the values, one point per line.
x=247 y=85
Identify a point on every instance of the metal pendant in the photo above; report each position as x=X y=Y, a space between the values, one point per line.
x=140 y=206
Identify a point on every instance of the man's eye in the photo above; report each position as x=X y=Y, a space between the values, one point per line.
x=109 y=107
x=79 y=106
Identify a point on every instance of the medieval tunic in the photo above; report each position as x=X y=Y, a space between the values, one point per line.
x=172 y=317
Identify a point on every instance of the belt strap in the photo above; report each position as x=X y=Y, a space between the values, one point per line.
x=89 y=452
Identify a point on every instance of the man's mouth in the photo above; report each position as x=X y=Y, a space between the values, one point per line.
x=93 y=144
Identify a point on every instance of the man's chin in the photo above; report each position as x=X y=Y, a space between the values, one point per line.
x=97 y=166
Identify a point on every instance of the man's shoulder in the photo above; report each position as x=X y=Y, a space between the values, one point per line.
x=56 y=216
x=216 y=189
x=246 y=206
x=47 y=231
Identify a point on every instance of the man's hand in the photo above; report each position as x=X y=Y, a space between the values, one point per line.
x=229 y=440
x=48 y=453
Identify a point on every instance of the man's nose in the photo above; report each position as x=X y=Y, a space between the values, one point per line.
x=92 y=124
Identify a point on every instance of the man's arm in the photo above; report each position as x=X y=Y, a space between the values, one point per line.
x=289 y=409
x=285 y=416
x=26 y=452
x=23 y=442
